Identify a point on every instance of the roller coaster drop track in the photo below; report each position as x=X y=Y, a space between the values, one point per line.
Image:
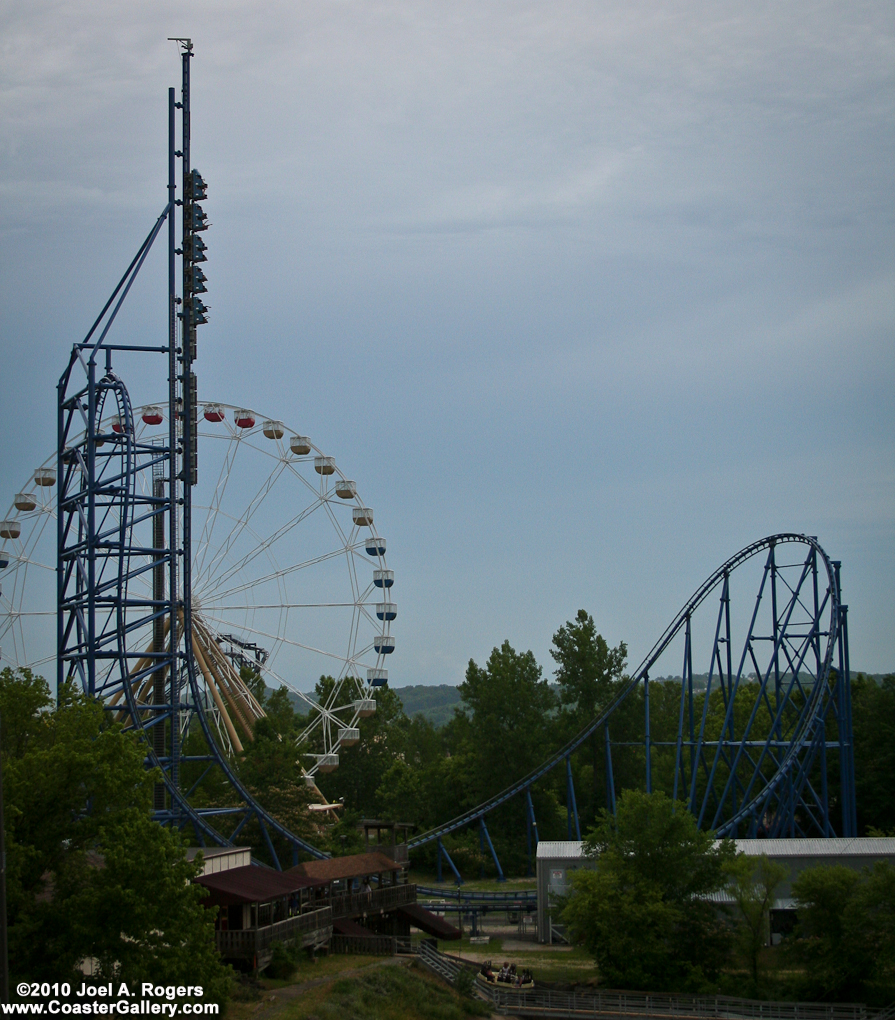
x=750 y=755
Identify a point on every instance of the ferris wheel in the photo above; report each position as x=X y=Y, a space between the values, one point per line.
x=289 y=582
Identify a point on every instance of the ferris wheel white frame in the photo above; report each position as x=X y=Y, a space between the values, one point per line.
x=236 y=561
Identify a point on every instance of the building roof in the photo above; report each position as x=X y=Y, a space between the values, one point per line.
x=251 y=884
x=353 y=866
x=560 y=849
x=220 y=858
x=192 y=852
x=832 y=846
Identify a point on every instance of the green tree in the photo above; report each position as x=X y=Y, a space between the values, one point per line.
x=508 y=703
x=88 y=873
x=752 y=884
x=873 y=721
x=588 y=675
x=846 y=931
x=363 y=766
x=271 y=773
x=588 y=670
x=644 y=912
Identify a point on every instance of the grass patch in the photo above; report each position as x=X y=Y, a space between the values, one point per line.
x=324 y=966
x=462 y=947
x=573 y=966
x=383 y=993
x=474 y=885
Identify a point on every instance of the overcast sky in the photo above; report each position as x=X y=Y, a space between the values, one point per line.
x=586 y=296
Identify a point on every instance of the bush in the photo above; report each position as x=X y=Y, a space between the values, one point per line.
x=464 y=982
x=283 y=962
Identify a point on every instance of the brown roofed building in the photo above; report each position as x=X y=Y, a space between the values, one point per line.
x=257 y=907
x=372 y=889
x=354 y=866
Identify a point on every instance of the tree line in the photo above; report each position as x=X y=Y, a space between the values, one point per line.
x=89 y=875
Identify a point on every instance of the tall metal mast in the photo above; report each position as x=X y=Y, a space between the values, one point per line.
x=185 y=408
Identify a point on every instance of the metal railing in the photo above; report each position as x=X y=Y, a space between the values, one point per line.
x=314 y=926
x=524 y=897
x=353 y=904
x=541 y=1003
x=438 y=963
x=619 y=1005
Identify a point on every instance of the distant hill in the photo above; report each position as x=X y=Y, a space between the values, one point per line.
x=435 y=702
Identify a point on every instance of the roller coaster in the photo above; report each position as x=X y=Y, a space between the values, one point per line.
x=166 y=618
x=750 y=754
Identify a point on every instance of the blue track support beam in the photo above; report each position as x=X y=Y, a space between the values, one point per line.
x=846 y=744
x=269 y=842
x=686 y=679
x=483 y=831
x=246 y=816
x=828 y=829
x=571 y=806
x=610 y=781
x=528 y=838
x=647 y=739
x=482 y=847
x=447 y=857
x=531 y=815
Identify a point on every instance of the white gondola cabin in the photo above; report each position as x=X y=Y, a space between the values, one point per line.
x=386 y=610
x=346 y=489
x=25 y=501
x=375 y=546
x=365 y=707
x=10 y=529
x=327 y=762
x=244 y=418
x=273 y=429
x=325 y=465
x=383 y=578
x=384 y=644
x=152 y=415
x=377 y=677
x=214 y=413
x=362 y=516
x=300 y=445
x=349 y=736
x=45 y=476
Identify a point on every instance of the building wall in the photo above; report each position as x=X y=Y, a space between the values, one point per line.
x=556 y=860
x=216 y=859
x=555 y=863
